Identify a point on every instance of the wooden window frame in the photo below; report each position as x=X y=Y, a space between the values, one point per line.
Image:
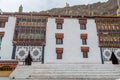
x=59 y=23
x=85 y=54
x=85 y=51
x=2 y=24
x=59 y=52
x=59 y=55
x=3 y=21
x=59 y=40
x=59 y=26
x=84 y=38
x=83 y=23
x=84 y=41
x=82 y=27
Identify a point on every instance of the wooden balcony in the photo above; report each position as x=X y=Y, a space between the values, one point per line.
x=30 y=24
x=29 y=42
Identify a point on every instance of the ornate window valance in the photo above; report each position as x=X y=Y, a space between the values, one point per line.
x=1 y=34
x=83 y=36
x=83 y=21
x=3 y=19
x=60 y=21
x=85 y=49
x=59 y=35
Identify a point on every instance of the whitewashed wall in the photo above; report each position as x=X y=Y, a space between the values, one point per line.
x=7 y=47
x=71 y=42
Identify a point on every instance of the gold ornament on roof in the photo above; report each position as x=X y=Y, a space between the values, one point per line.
x=67 y=4
x=118 y=10
x=20 y=9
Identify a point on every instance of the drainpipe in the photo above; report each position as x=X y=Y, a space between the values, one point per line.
x=43 y=47
x=101 y=55
x=13 y=52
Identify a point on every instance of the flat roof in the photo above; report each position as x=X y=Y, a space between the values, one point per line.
x=49 y=15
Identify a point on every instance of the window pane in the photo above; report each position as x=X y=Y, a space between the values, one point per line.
x=2 y=24
x=29 y=20
x=84 y=42
x=83 y=27
x=38 y=20
x=85 y=55
x=24 y=19
x=33 y=20
x=59 y=41
x=59 y=26
x=59 y=56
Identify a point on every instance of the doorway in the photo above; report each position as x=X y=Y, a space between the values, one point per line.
x=28 y=60
x=114 y=59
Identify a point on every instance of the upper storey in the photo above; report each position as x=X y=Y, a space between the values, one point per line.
x=30 y=30
x=108 y=27
x=108 y=31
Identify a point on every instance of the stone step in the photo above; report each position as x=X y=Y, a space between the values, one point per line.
x=44 y=66
x=76 y=72
x=21 y=72
x=74 y=67
x=81 y=65
x=66 y=79
x=77 y=66
x=77 y=69
x=72 y=76
x=67 y=71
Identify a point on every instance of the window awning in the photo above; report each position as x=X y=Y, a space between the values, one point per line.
x=3 y=19
x=59 y=35
x=83 y=36
x=59 y=50
x=1 y=34
x=85 y=49
x=60 y=21
x=82 y=21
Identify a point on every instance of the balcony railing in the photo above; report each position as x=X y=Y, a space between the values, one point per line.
x=114 y=31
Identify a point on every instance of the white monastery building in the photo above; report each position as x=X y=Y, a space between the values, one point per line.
x=59 y=39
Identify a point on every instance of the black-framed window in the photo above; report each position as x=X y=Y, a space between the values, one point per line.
x=82 y=26
x=85 y=51
x=59 y=52
x=59 y=40
x=59 y=55
x=84 y=41
x=59 y=26
x=23 y=19
x=2 y=24
x=85 y=54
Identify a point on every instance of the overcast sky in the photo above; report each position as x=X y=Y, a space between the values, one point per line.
x=39 y=5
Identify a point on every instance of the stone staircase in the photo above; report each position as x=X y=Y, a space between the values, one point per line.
x=67 y=72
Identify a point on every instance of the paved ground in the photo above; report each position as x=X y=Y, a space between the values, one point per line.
x=6 y=78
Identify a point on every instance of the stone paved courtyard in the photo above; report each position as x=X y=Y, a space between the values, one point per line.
x=6 y=78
